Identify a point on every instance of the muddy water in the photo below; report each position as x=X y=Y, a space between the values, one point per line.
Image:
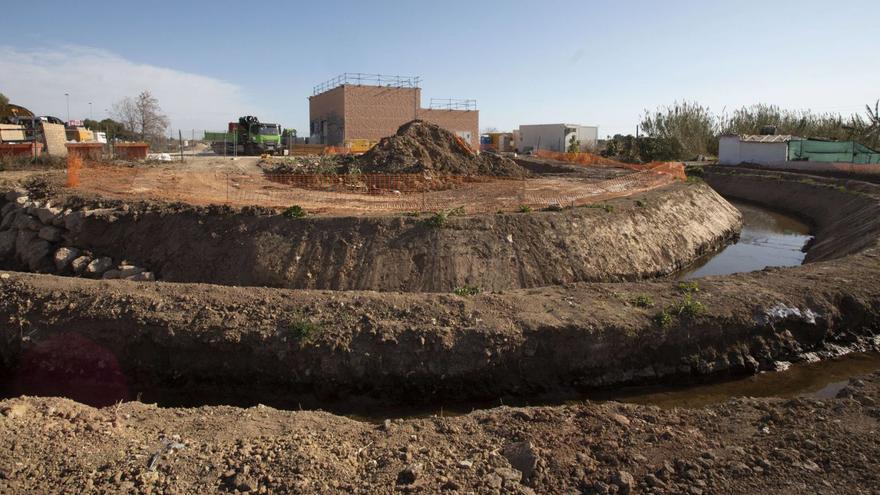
x=767 y=239
x=821 y=380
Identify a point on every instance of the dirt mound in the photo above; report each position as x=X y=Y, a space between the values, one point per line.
x=420 y=146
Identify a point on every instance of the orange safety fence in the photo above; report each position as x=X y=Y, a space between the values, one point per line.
x=74 y=164
x=355 y=194
x=675 y=169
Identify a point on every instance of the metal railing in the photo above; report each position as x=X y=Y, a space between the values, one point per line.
x=361 y=78
x=452 y=104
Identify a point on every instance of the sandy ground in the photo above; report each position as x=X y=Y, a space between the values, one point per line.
x=240 y=182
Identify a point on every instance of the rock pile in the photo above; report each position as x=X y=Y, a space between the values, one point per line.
x=422 y=147
x=35 y=236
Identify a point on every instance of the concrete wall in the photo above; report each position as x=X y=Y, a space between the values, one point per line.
x=728 y=150
x=554 y=137
x=54 y=137
x=733 y=151
x=373 y=112
x=464 y=123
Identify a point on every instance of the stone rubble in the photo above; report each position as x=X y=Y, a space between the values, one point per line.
x=35 y=236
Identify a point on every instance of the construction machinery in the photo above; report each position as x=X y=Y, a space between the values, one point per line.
x=248 y=136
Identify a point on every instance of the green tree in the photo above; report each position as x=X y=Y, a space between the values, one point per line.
x=574 y=144
x=871 y=133
x=692 y=125
x=4 y=104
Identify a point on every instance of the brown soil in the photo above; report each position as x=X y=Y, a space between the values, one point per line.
x=422 y=147
x=123 y=338
x=244 y=184
x=624 y=240
x=744 y=446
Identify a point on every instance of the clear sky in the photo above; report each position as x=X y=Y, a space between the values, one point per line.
x=588 y=62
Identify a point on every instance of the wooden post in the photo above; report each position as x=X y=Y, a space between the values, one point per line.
x=180 y=142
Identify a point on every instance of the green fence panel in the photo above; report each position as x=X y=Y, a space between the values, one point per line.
x=831 y=151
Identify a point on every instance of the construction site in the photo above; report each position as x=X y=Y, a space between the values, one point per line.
x=390 y=310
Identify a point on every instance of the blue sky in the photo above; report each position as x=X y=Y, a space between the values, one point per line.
x=588 y=62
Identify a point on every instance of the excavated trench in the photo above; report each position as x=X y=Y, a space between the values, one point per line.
x=541 y=330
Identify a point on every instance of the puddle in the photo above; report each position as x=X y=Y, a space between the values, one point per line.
x=820 y=380
x=767 y=239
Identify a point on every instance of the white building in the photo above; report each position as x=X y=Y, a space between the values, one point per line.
x=555 y=137
x=759 y=150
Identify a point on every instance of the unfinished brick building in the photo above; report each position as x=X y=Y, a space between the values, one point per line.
x=358 y=106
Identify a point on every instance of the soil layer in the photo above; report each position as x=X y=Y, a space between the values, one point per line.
x=651 y=234
x=405 y=348
x=744 y=446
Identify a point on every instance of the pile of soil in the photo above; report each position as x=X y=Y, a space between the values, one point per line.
x=420 y=147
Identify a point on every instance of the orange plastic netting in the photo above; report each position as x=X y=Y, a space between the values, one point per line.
x=676 y=169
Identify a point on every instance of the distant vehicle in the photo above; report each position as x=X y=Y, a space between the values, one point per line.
x=248 y=136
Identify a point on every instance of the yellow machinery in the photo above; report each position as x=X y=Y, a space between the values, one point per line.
x=79 y=134
x=360 y=145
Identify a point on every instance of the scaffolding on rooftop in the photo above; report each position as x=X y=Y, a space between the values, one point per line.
x=452 y=104
x=362 y=79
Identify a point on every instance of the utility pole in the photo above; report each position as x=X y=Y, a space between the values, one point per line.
x=67 y=97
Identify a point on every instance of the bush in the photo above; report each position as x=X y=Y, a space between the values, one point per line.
x=466 y=290
x=688 y=287
x=295 y=211
x=663 y=319
x=689 y=307
x=301 y=330
x=436 y=221
x=525 y=209
x=643 y=301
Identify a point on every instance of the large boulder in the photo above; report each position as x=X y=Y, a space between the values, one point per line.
x=23 y=221
x=9 y=218
x=99 y=265
x=6 y=209
x=64 y=257
x=23 y=242
x=47 y=214
x=39 y=256
x=49 y=233
x=129 y=270
x=73 y=221
x=142 y=277
x=79 y=264
x=7 y=244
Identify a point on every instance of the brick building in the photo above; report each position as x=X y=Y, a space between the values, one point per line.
x=371 y=106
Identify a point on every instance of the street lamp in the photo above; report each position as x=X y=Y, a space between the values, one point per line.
x=90 y=111
x=67 y=96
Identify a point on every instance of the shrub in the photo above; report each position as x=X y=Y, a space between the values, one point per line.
x=688 y=287
x=437 y=220
x=605 y=206
x=525 y=209
x=689 y=307
x=295 y=211
x=640 y=203
x=466 y=290
x=662 y=319
x=301 y=330
x=643 y=301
